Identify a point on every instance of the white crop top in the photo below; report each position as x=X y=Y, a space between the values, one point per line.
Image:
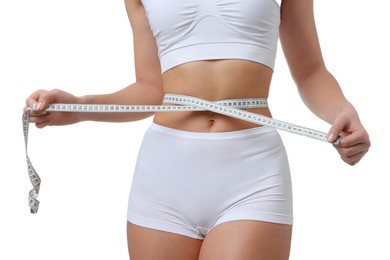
x=190 y=30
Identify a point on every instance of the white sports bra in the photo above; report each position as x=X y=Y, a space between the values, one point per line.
x=190 y=30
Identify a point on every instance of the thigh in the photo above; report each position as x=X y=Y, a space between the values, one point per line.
x=247 y=240
x=150 y=244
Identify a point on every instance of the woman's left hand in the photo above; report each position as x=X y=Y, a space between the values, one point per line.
x=355 y=141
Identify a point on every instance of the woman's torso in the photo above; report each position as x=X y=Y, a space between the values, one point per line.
x=215 y=50
x=215 y=80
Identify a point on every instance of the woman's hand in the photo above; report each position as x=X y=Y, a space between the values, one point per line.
x=42 y=118
x=355 y=141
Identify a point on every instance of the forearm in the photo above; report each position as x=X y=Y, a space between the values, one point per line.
x=322 y=94
x=319 y=90
x=134 y=94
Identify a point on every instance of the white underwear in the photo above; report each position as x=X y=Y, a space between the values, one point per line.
x=188 y=182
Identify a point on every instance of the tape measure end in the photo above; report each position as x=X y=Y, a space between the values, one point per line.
x=338 y=140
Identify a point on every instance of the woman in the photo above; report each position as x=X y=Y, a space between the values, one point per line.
x=209 y=186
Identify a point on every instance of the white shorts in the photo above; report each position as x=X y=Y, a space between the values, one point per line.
x=188 y=182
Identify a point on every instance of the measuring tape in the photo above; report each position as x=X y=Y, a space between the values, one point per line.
x=229 y=107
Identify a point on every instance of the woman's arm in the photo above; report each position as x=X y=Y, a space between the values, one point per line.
x=319 y=90
x=148 y=88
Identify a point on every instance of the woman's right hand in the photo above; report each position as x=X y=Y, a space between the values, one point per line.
x=43 y=98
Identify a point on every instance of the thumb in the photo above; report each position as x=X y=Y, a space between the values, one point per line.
x=43 y=100
x=334 y=133
x=46 y=97
x=36 y=98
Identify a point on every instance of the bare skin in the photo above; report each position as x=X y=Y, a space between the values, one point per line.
x=216 y=80
x=228 y=241
x=241 y=78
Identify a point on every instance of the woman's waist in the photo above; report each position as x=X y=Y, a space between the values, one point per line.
x=214 y=81
x=216 y=92
x=210 y=118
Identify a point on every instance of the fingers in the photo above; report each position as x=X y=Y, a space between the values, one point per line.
x=353 y=159
x=37 y=97
x=355 y=141
x=40 y=117
x=44 y=123
x=352 y=155
x=353 y=146
x=42 y=98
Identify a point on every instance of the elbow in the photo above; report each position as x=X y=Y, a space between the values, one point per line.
x=155 y=93
x=154 y=88
x=159 y=95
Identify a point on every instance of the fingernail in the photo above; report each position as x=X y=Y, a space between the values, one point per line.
x=331 y=138
x=39 y=105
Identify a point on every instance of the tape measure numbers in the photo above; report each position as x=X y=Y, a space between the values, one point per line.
x=230 y=107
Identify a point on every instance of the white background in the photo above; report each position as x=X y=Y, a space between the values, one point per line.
x=85 y=47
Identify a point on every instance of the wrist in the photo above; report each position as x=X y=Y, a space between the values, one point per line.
x=84 y=100
x=80 y=115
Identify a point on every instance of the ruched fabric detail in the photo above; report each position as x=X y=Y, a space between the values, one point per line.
x=189 y=30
